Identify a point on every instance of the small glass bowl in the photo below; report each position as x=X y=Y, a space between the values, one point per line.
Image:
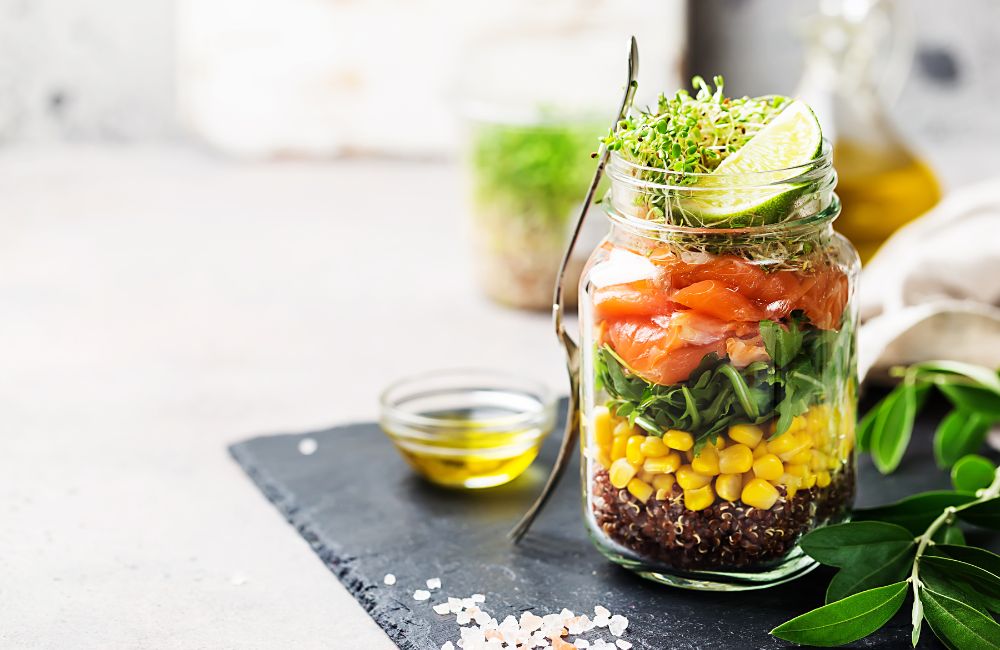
x=467 y=428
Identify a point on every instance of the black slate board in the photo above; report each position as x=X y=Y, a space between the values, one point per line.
x=366 y=514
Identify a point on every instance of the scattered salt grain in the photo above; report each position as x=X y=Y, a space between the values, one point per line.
x=618 y=624
x=308 y=446
x=434 y=583
x=582 y=643
x=389 y=579
x=624 y=645
x=421 y=594
x=478 y=598
x=448 y=645
x=442 y=609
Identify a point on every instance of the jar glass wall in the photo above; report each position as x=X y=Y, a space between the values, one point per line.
x=718 y=374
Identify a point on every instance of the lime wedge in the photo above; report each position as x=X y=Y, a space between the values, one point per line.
x=792 y=139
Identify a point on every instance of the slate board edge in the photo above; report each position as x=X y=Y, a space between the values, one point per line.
x=340 y=566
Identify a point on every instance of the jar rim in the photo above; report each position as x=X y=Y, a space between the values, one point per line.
x=816 y=177
x=822 y=165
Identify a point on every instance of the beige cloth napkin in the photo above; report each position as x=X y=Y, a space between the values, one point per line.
x=933 y=290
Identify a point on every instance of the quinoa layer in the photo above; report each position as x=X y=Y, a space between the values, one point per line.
x=723 y=536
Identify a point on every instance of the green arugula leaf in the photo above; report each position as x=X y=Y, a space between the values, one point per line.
x=972 y=473
x=960 y=433
x=847 y=620
x=782 y=344
x=957 y=625
x=915 y=513
x=985 y=514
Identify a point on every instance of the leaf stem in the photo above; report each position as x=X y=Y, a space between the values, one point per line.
x=947 y=516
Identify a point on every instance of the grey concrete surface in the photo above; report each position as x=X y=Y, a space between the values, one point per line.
x=156 y=305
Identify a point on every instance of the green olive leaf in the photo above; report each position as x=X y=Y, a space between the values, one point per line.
x=982 y=580
x=973 y=398
x=958 y=625
x=894 y=425
x=842 y=545
x=972 y=473
x=980 y=375
x=985 y=514
x=847 y=620
x=866 y=426
x=949 y=585
x=915 y=513
x=960 y=432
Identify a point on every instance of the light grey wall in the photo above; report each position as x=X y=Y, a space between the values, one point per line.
x=86 y=70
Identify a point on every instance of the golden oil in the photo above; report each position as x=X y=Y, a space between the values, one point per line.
x=468 y=448
x=880 y=192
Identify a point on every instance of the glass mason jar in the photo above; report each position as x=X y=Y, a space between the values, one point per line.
x=718 y=384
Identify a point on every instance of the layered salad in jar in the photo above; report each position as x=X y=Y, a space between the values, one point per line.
x=719 y=381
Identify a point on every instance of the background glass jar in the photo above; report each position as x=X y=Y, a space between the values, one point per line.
x=718 y=373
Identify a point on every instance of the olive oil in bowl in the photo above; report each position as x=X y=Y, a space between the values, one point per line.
x=467 y=429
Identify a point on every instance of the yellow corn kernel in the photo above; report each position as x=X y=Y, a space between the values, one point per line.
x=817 y=459
x=783 y=444
x=720 y=443
x=621 y=472
x=663 y=482
x=665 y=464
x=643 y=475
x=760 y=450
x=653 y=447
x=632 y=452
x=735 y=459
x=809 y=480
x=789 y=455
x=768 y=467
x=707 y=462
x=604 y=458
x=748 y=476
x=749 y=434
x=758 y=493
x=729 y=486
x=699 y=498
x=679 y=440
x=618 y=447
x=689 y=455
x=663 y=494
x=823 y=479
x=641 y=490
x=796 y=470
x=689 y=479
x=791 y=482
x=623 y=428
x=798 y=423
x=602 y=426
x=804 y=457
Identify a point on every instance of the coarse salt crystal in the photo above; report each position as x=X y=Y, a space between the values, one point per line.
x=624 y=645
x=389 y=579
x=478 y=598
x=602 y=612
x=421 y=594
x=448 y=645
x=308 y=446
x=617 y=625
x=434 y=583
x=582 y=643
x=442 y=609
x=454 y=605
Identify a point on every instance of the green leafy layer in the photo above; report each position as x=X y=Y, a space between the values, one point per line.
x=804 y=362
